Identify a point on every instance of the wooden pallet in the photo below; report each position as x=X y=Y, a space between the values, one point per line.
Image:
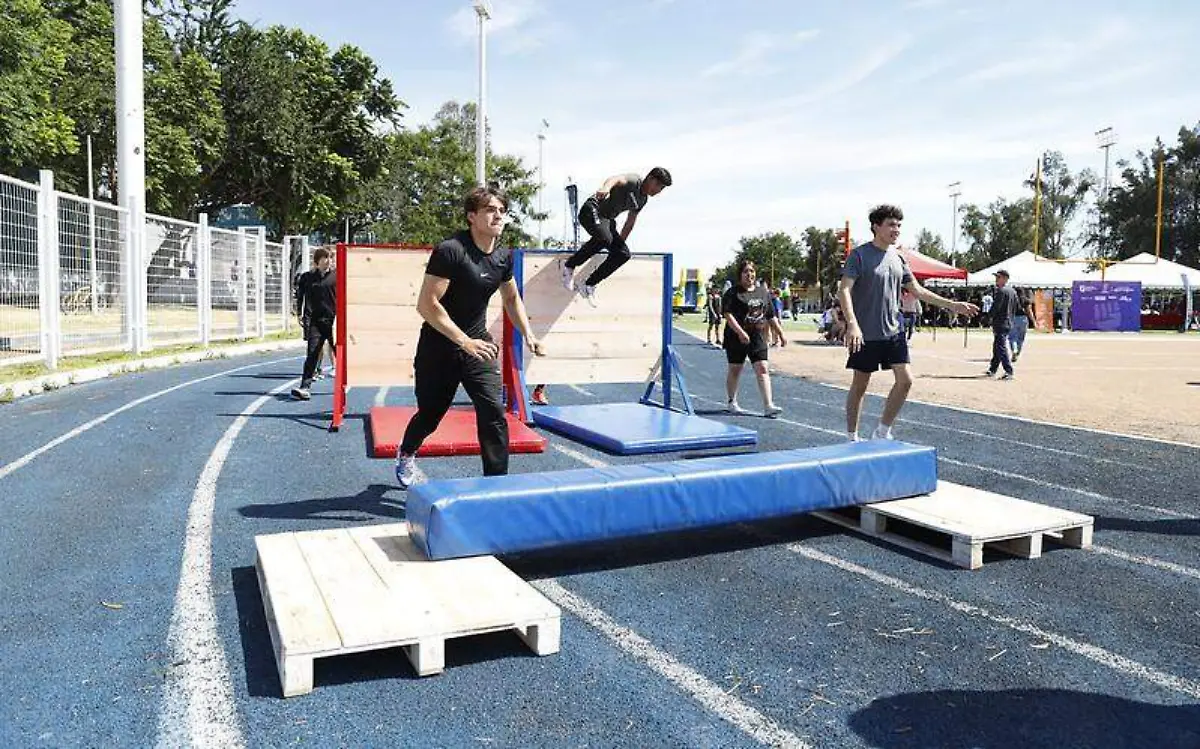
x=334 y=592
x=956 y=522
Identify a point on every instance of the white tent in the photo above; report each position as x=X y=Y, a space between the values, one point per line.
x=1163 y=274
x=1029 y=270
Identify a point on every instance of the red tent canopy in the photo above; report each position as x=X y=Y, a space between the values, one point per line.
x=924 y=267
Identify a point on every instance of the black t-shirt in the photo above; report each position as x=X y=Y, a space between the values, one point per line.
x=474 y=277
x=750 y=308
x=317 y=295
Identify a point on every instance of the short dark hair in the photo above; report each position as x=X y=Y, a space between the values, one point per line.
x=743 y=264
x=320 y=254
x=881 y=213
x=480 y=196
x=661 y=175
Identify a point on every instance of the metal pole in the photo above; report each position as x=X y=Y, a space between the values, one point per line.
x=94 y=282
x=541 y=180
x=131 y=151
x=1158 y=221
x=955 y=190
x=1037 y=204
x=1105 y=138
x=482 y=11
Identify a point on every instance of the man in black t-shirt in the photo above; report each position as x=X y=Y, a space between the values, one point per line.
x=455 y=347
x=749 y=316
x=598 y=216
x=316 y=296
x=1004 y=307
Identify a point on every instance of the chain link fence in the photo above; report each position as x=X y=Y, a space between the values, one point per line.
x=20 y=323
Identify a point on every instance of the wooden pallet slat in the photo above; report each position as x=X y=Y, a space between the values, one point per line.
x=341 y=591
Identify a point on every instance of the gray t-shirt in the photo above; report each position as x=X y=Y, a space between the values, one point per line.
x=627 y=196
x=1004 y=306
x=878 y=275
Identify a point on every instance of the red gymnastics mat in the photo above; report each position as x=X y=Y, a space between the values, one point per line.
x=454 y=436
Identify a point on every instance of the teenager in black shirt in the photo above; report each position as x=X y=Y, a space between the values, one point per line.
x=316 y=292
x=455 y=347
x=598 y=216
x=749 y=315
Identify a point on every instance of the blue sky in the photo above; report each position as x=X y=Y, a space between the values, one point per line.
x=775 y=115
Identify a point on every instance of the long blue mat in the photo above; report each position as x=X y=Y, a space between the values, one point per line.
x=636 y=429
x=522 y=512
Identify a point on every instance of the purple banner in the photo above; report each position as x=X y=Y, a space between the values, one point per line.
x=1106 y=305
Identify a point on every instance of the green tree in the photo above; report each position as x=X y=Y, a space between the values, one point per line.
x=34 y=47
x=1129 y=216
x=418 y=199
x=775 y=255
x=823 y=261
x=1062 y=195
x=996 y=232
x=306 y=128
x=931 y=244
x=200 y=26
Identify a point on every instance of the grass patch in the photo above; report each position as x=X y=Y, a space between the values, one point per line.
x=30 y=370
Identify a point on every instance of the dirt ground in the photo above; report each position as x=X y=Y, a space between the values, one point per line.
x=1145 y=384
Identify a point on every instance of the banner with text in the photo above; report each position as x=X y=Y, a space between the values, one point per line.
x=1106 y=305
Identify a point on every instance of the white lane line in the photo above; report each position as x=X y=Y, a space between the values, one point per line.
x=1024 y=420
x=381 y=396
x=1161 y=564
x=1107 y=658
x=581 y=391
x=1006 y=474
x=197 y=709
x=26 y=459
x=994 y=437
x=584 y=458
x=715 y=699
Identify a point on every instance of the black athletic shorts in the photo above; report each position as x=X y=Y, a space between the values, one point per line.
x=879 y=354
x=737 y=352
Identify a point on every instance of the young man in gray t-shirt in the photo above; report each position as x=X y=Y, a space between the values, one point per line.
x=872 y=279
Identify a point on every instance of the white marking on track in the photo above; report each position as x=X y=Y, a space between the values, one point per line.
x=581 y=391
x=381 y=396
x=1107 y=658
x=1161 y=564
x=198 y=709
x=26 y=459
x=584 y=458
x=715 y=699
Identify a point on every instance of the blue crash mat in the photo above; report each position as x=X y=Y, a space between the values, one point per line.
x=522 y=512
x=635 y=429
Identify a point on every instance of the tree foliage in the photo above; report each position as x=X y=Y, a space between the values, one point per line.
x=34 y=129
x=996 y=231
x=1128 y=218
x=1062 y=195
x=775 y=255
x=931 y=245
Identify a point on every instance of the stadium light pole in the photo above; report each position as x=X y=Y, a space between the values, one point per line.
x=483 y=13
x=131 y=156
x=955 y=190
x=1105 y=138
x=541 y=178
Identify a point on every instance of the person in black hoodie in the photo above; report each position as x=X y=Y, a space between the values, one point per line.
x=316 y=295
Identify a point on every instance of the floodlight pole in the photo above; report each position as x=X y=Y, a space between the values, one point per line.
x=1105 y=138
x=541 y=179
x=955 y=190
x=483 y=13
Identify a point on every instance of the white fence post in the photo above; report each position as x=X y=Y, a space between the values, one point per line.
x=285 y=283
x=204 y=279
x=48 y=283
x=243 y=276
x=260 y=282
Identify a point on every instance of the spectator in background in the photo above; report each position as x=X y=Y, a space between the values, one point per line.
x=712 y=315
x=316 y=295
x=910 y=309
x=1004 y=308
x=1021 y=318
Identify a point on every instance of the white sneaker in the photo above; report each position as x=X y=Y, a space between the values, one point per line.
x=568 y=275
x=733 y=408
x=406 y=470
x=882 y=433
x=853 y=437
x=301 y=394
x=588 y=293
x=772 y=411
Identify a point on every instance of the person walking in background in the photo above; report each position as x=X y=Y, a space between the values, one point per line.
x=712 y=314
x=910 y=308
x=1021 y=320
x=1004 y=307
x=316 y=297
x=748 y=315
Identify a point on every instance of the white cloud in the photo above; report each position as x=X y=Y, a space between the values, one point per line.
x=1055 y=54
x=514 y=26
x=754 y=51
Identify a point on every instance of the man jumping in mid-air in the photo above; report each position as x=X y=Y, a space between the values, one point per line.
x=598 y=216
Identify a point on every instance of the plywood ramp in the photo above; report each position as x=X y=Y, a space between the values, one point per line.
x=617 y=340
x=956 y=523
x=334 y=592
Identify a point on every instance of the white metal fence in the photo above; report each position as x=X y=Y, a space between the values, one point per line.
x=67 y=286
